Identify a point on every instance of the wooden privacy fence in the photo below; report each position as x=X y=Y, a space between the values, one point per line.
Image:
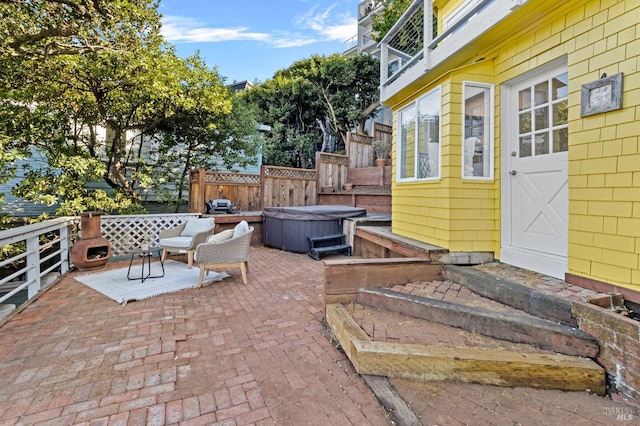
x=360 y=146
x=332 y=170
x=383 y=132
x=243 y=189
x=273 y=187
x=359 y=150
x=285 y=186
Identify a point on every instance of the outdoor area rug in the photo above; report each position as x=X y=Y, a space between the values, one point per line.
x=115 y=285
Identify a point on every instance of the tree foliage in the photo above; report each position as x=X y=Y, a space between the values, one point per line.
x=312 y=101
x=37 y=29
x=105 y=117
x=213 y=130
x=390 y=14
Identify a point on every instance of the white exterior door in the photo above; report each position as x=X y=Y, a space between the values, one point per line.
x=535 y=172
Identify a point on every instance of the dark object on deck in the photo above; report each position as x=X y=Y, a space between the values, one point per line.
x=220 y=206
x=92 y=251
x=288 y=228
x=334 y=243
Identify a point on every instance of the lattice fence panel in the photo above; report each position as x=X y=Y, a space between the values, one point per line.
x=333 y=158
x=360 y=138
x=127 y=231
x=232 y=178
x=286 y=172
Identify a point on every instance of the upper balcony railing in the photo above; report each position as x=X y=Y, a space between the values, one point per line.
x=366 y=7
x=407 y=50
x=350 y=44
x=363 y=43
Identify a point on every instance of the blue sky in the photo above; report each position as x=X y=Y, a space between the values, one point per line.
x=252 y=39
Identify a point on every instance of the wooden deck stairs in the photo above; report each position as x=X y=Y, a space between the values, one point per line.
x=532 y=342
x=371 y=189
x=333 y=243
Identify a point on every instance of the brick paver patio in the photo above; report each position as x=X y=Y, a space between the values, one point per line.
x=230 y=354
x=224 y=354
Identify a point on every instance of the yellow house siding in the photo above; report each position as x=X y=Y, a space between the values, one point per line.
x=604 y=239
x=457 y=214
x=604 y=159
x=595 y=37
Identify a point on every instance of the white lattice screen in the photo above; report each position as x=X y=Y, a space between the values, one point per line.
x=127 y=232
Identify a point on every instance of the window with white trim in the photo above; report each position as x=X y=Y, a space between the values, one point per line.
x=477 y=143
x=419 y=138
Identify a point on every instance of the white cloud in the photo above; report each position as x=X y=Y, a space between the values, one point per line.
x=187 y=30
x=329 y=26
x=312 y=27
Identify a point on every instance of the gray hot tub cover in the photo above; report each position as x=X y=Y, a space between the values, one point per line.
x=314 y=212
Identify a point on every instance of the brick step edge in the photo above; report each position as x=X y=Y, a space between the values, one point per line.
x=510 y=327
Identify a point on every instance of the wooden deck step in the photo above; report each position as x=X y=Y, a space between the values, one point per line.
x=333 y=243
x=317 y=252
x=469 y=364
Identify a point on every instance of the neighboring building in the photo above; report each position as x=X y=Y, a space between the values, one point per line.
x=18 y=207
x=239 y=86
x=363 y=43
x=517 y=132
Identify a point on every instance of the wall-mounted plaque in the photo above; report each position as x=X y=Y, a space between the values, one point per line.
x=601 y=95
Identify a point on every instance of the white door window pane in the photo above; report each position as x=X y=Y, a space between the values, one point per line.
x=525 y=146
x=547 y=123
x=524 y=99
x=542 y=118
x=542 y=143
x=560 y=87
x=542 y=93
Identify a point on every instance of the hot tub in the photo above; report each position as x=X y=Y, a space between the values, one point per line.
x=287 y=228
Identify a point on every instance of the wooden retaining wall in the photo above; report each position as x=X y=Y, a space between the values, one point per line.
x=343 y=277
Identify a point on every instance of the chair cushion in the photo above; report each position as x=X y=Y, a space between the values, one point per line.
x=176 y=242
x=241 y=229
x=220 y=236
x=196 y=226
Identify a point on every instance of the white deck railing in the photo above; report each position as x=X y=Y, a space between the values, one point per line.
x=410 y=48
x=41 y=250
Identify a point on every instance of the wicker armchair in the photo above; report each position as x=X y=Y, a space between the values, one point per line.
x=185 y=237
x=221 y=254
